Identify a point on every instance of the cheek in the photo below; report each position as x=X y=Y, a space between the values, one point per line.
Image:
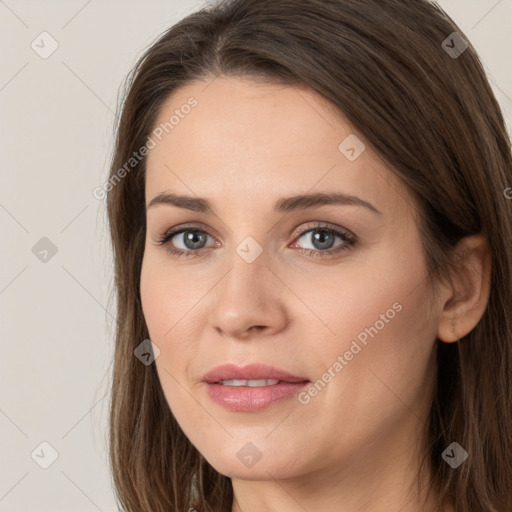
x=171 y=314
x=386 y=344
x=165 y=313
x=374 y=313
x=167 y=300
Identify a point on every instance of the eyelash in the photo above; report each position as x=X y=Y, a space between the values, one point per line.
x=349 y=240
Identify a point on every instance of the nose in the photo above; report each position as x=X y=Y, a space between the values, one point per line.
x=248 y=301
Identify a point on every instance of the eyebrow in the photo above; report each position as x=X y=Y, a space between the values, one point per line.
x=284 y=204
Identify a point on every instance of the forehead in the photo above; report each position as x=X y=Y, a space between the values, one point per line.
x=248 y=143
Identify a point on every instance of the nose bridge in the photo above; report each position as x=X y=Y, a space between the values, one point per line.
x=248 y=258
x=247 y=278
x=247 y=295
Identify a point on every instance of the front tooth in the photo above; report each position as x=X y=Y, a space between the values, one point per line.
x=250 y=383
x=233 y=382
x=261 y=382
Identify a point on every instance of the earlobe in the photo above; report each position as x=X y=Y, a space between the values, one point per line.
x=446 y=330
x=471 y=289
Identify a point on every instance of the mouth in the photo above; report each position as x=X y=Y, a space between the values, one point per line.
x=251 y=388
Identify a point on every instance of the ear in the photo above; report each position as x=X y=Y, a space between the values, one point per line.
x=469 y=292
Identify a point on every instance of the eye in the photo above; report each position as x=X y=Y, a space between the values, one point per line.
x=193 y=240
x=321 y=236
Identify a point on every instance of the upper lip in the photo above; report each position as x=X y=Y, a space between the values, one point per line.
x=250 y=372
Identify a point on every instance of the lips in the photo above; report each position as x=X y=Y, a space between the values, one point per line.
x=250 y=372
x=251 y=388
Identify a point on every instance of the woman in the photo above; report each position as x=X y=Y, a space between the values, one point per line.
x=311 y=237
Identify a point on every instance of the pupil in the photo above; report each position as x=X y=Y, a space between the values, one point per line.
x=189 y=237
x=321 y=236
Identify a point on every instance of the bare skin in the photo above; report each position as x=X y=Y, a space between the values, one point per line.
x=353 y=446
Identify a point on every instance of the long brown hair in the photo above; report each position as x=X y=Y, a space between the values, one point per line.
x=431 y=115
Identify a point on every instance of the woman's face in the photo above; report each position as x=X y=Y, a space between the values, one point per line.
x=346 y=310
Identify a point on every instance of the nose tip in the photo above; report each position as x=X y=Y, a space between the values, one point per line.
x=245 y=299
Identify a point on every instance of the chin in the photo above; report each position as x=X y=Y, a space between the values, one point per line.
x=244 y=466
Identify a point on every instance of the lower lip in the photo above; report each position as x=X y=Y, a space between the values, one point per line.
x=247 y=399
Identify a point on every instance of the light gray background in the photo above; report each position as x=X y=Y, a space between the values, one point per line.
x=56 y=320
